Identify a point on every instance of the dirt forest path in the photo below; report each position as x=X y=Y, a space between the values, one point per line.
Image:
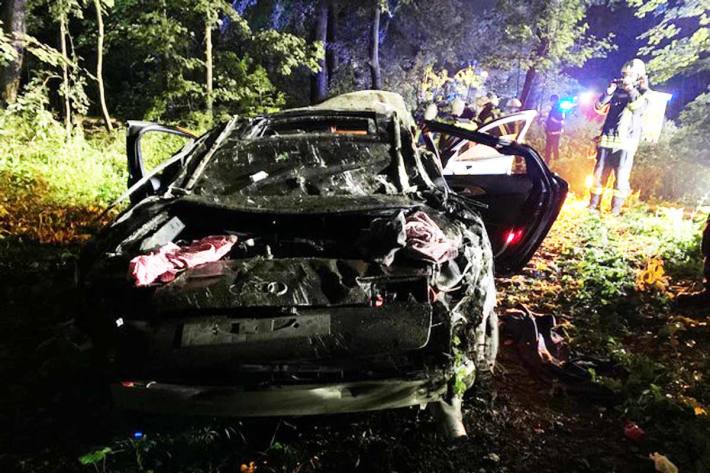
x=57 y=409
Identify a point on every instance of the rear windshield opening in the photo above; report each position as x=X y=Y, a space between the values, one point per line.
x=332 y=125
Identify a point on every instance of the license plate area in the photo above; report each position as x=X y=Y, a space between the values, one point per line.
x=226 y=331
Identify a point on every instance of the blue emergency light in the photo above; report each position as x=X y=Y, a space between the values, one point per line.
x=567 y=104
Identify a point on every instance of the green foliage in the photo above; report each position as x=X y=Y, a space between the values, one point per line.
x=588 y=274
x=96 y=456
x=601 y=261
x=694 y=133
x=63 y=9
x=546 y=35
x=678 y=166
x=43 y=52
x=7 y=51
x=162 y=47
x=286 y=52
x=155 y=48
x=244 y=86
x=33 y=147
x=284 y=454
x=679 y=41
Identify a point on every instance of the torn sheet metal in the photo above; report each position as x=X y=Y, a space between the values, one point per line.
x=283 y=282
x=356 y=282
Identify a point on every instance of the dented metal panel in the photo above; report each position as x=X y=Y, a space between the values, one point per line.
x=221 y=332
x=308 y=334
x=323 y=304
x=279 y=400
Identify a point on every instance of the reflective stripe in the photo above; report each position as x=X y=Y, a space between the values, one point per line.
x=615 y=142
x=597 y=190
x=602 y=109
x=634 y=105
x=621 y=193
x=610 y=141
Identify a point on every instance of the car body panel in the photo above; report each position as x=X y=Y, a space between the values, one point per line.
x=278 y=400
x=520 y=208
x=466 y=157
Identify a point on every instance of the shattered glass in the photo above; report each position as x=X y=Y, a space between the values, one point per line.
x=296 y=166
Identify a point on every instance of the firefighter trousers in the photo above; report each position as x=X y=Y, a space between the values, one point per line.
x=552 y=146
x=618 y=161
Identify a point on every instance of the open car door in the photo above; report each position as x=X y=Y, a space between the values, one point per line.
x=522 y=196
x=461 y=156
x=136 y=163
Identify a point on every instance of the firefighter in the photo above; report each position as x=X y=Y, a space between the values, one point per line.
x=490 y=110
x=553 y=130
x=627 y=100
x=700 y=300
x=512 y=106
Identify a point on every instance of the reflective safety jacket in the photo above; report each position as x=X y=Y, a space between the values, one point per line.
x=623 y=125
x=489 y=113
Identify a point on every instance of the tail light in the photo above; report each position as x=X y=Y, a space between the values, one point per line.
x=377 y=300
x=513 y=236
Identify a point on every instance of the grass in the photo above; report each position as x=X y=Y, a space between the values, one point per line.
x=612 y=280
x=54 y=189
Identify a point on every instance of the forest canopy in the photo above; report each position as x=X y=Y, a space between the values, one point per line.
x=72 y=65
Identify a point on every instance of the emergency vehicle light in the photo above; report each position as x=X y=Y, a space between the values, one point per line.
x=567 y=104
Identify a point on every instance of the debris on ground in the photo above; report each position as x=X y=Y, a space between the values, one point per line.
x=546 y=354
x=662 y=463
x=633 y=432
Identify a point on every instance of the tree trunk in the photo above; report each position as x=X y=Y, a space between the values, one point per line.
x=375 y=49
x=14 y=24
x=331 y=56
x=65 y=75
x=526 y=94
x=99 y=65
x=319 y=80
x=208 y=64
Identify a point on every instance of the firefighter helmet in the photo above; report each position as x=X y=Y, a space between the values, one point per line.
x=635 y=68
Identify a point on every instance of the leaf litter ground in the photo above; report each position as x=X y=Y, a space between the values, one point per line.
x=610 y=281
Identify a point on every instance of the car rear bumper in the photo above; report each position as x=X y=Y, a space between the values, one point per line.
x=277 y=400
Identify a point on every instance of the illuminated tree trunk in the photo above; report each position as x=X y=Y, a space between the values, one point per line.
x=319 y=80
x=526 y=94
x=331 y=56
x=99 y=65
x=65 y=75
x=14 y=24
x=375 y=49
x=208 y=64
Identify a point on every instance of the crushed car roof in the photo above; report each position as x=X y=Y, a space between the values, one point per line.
x=378 y=101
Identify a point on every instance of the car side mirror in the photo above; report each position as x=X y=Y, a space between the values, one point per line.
x=136 y=165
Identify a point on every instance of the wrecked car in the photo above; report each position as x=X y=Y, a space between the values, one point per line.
x=310 y=261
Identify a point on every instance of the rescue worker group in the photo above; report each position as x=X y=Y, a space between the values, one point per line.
x=624 y=103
